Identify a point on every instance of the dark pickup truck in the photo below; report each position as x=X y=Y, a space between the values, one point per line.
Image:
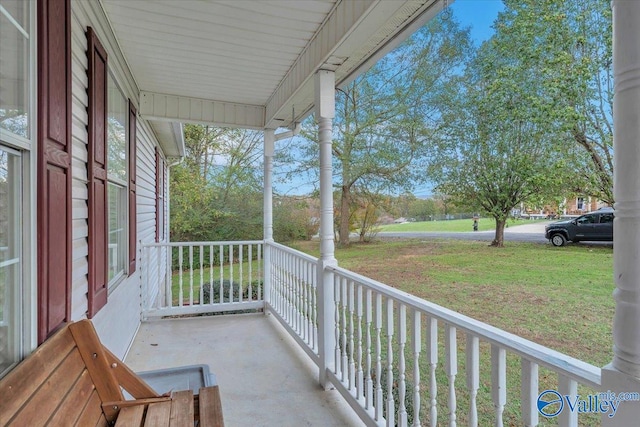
x=594 y=226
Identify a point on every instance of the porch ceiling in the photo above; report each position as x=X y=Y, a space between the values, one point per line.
x=248 y=63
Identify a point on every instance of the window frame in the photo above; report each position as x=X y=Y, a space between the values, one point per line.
x=123 y=186
x=27 y=292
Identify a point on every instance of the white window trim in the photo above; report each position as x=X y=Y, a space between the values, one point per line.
x=28 y=154
x=122 y=275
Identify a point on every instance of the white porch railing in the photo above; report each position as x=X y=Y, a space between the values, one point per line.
x=293 y=294
x=204 y=277
x=396 y=356
x=393 y=356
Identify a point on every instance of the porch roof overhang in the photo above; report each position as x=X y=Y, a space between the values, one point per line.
x=250 y=64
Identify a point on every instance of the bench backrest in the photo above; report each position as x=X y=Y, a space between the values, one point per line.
x=67 y=381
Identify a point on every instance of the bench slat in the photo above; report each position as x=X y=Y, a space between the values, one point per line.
x=69 y=410
x=210 y=407
x=158 y=415
x=182 y=408
x=92 y=412
x=46 y=399
x=18 y=386
x=130 y=416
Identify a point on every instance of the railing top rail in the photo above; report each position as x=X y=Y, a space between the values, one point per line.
x=573 y=368
x=175 y=244
x=292 y=251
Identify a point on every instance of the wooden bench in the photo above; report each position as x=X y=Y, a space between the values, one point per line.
x=72 y=379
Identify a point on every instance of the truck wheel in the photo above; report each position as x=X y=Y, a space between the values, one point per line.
x=558 y=240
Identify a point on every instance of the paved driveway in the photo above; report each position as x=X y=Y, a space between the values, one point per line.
x=533 y=233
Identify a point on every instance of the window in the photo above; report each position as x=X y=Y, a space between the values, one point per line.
x=117 y=176
x=587 y=219
x=14 y=68
x=17 y=105
x=10 y=258
x=580 y=203
x=605 y=218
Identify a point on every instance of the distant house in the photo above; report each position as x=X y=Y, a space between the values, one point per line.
x=570 y=206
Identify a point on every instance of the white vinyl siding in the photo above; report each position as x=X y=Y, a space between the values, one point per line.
x=118 y=321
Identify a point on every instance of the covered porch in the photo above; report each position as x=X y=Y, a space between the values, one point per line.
x=392 y=357
x=395 y=359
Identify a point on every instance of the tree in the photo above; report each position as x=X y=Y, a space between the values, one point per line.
x=501 y=148
x=422 y=209
x=570 y=43
x=386 y=117
x=216 y=193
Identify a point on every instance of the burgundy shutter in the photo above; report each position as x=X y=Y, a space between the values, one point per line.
x=54 y=166
x=97 y=173
x=133 y=236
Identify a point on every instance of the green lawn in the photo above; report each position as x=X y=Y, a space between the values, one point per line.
x=557 y=297
x=455 y=225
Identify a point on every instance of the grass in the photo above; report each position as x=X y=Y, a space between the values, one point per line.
x=455 y=225
x=558 y=297
x=247 y=275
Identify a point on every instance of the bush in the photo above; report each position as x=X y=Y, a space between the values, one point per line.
x=235 y=291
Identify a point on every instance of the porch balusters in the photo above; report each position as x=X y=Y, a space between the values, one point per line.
x=529 y=393
x=250 y=294
x=230 y=273
x=201 y=299
x=359 y=373
x=263 y=291
x=451 y=367
x=568 y=387
x=240 y=271
x=498 y=381
x=379 y=394
x=211 y=264
x=338 y=352
x=343 y=327
x=402 y=385
x=180 y=284
x=190 y=275
x=221 y=291
x=390 y=408
x=369 y=398
x=432 y=342
x=473 y=376
x=416 y=342
x=352 y=362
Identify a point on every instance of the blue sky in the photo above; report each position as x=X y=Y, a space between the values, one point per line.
x=479 y=15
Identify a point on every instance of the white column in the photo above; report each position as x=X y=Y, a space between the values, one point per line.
x=623 y=374
x=269 y=148
x=324 y=113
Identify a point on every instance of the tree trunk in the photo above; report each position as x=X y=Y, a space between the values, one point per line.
x=498 y=240
x=345 y=204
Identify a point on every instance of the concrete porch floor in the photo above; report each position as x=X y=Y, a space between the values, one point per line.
x=264 y=378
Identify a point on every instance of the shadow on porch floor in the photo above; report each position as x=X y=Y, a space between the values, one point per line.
x=264 y=378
